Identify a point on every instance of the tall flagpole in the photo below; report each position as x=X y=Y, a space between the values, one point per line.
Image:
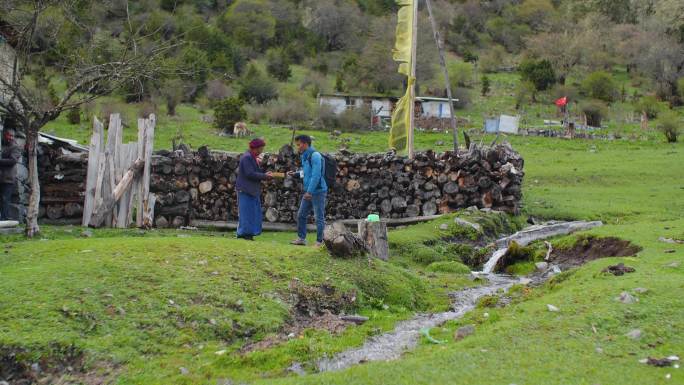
x=442 y=62
x=412 y=90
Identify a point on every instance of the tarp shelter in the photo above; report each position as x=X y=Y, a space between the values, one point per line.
x=504 y=123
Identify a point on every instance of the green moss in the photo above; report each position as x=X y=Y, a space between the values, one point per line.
x=425 y=254
x=448 y=267
x=521 y=268
x=488 y=301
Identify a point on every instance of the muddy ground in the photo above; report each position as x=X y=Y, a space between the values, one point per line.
x=590 y=248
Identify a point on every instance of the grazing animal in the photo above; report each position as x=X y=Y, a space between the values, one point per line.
x=240 y=130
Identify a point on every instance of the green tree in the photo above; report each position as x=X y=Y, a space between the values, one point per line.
x=461 y=74
x=595 y=110
x=525 y=93
x=250 y=23
x=227 y=112
x=257 y=87
x=172 y=92
x=278 y=64
x=485 y=85
x=540 y=73
x=669 y=125
x=193 y=65
x=650 y=105
x=600 y=85
x=74 y=115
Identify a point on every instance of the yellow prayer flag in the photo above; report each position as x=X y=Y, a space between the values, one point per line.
x=401 y=116
x=401 y=120
x=402 y=47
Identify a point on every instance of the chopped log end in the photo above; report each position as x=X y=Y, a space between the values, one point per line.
x=342 y=242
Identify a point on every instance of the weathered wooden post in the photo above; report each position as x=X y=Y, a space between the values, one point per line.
x=374 y=234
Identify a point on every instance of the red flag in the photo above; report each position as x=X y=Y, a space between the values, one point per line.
x=562 y=101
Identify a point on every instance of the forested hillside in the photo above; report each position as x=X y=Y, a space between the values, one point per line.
x=277 y=55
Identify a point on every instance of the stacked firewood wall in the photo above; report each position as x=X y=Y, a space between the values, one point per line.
x=62 y=183
x=200 y=185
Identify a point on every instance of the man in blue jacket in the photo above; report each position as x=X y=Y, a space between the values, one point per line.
x=315 y=190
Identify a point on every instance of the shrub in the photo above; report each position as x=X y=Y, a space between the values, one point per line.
x=492 y=59
x=353 y=119
x=257 y=113
x=540 y=73
x=146 y=109
x=463 y=96
x=74 y=115
x=278 y=64
x=172 y=92
x=595 y=110
x=461 y=74
x=670 y=125
x=600 y=85
x=326 y=118
x=650 y=105
x=227 y=112
x=680 y=87
x=524 y=93
x=290 y=111
x=469 y=56
x=486 y=84
x=256 y=87
x=218 y=90
x=448 y=267
x=314 y=84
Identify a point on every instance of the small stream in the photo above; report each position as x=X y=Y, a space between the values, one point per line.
x=406 y=334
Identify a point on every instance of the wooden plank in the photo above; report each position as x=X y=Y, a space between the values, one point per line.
x=278 y=226
x=118 y=152
x=148 y=215
x=113 y=131
x=108 y=203
x=97 y=199
x=131 y=194
x=147 y=169
x=125 y=202
x=91 y=179
x=138 y=191
x=112 y=182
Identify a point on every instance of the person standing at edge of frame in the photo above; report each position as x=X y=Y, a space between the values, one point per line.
x=11 y=155
x=315 y=189
x=248 y=186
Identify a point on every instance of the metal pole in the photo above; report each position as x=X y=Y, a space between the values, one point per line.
x=442 y=62
x=412 y=90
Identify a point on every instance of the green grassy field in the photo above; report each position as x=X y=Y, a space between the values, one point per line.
x=177 y=307
x=145 y=305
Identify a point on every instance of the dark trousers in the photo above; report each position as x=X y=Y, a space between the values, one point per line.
x=6 y=191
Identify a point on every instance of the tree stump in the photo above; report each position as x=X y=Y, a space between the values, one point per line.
x=374 y=234
x=342 y=242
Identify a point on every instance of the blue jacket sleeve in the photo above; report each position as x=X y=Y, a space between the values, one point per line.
x=316 y=172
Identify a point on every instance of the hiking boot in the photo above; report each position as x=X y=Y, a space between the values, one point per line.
x=318 y=244
x=298 y=242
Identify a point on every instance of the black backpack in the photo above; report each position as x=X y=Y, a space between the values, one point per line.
x=329 y=170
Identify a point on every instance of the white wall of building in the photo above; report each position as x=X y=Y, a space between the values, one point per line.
x=436 y=109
